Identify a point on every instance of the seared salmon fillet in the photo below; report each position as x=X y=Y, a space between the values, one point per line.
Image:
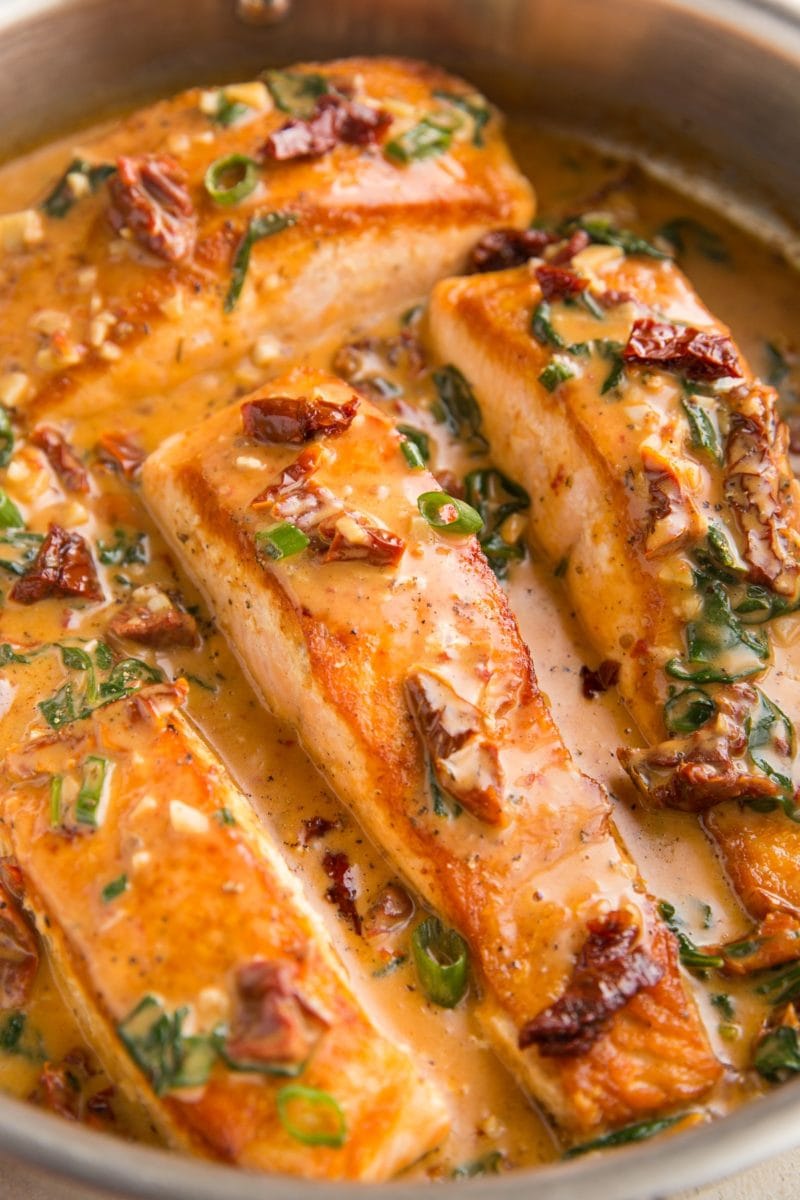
x=386 y=642
x=203 y=981
x=661 y=490
x=286 y=208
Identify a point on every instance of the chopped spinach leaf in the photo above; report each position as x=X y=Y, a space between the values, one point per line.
x=601 y=229
x=457 y=408
x=487 y=1164
x=429 y=138
x=115 y=888
x=169 y=1058
x=688 y=710
x=693 y=957
x=781 y=986
x=262 y=226
x=723 y=649
x=683 y=232
x=702 y=429
x=496 y=498
x=723 y=1003
x=554 y=374
x=126 y=549
x=11 y=1032
x=778 y=1054
x=10 y=516
x=6 y=437
x=296 y=92
x=63 y=196
x=626 y=1135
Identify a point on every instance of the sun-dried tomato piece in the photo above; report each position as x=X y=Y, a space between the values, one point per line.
x=72 y=1090
x=289 y=495
x=19 y=954
x=608 y=973
x=352 y=537
x=149 y=196
x=154 y=620
x=296 y=419
x=122 y=451
x=336 y=121
x=63 y=567
x=390 y=913
x=672 y=515
x=694 y=773
x=343 y=891
x=464 y=759
x=757 y=485
x=557 y=283
x=595 y=682
x=62 y=458
x=695 y=353
x=504 y=248
x=273 y=1022
x=611 y=297
x=578 y=241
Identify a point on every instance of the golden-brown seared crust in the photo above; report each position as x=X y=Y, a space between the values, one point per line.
x=204 y=915
x=370 y=234
x=680 y=498
x=332 y=647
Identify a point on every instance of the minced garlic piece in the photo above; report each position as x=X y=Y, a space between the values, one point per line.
x=185 y=819
x=20 y=229
x=13 y=388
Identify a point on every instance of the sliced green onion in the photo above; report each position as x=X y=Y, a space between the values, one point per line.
x=419 y=440
x=10 y=516
x=56 y=790
x=115 y=888
x=412 y=454
x=230 y=179
x=688 y=710
x=441 y=957
x=262 y=226
x=95 y=772
x=282 y=541
x=318 y=1119
x=437 y=509
x=554 y=374
x=427 y=139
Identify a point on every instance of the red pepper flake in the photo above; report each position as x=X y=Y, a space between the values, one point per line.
x=122 y=451
x=608 y=973
x=62 y=458
x=63 y=567
x=336 y=121
x=557 y=283
x=343 y=890
x=694 y=353
x=295 y=419
x=595 y=682
x=504 y=248
x=149 y=196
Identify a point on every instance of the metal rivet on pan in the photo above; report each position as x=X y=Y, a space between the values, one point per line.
x=262 y=12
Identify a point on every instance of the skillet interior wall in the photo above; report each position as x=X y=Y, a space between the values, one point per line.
x=643 y=71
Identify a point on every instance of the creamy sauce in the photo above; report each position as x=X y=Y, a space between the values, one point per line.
x=750 y=288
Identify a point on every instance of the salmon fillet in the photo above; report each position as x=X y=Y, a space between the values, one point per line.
x=662 y=492
x=388 y=171
x=388 y=645
x=202 y=979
